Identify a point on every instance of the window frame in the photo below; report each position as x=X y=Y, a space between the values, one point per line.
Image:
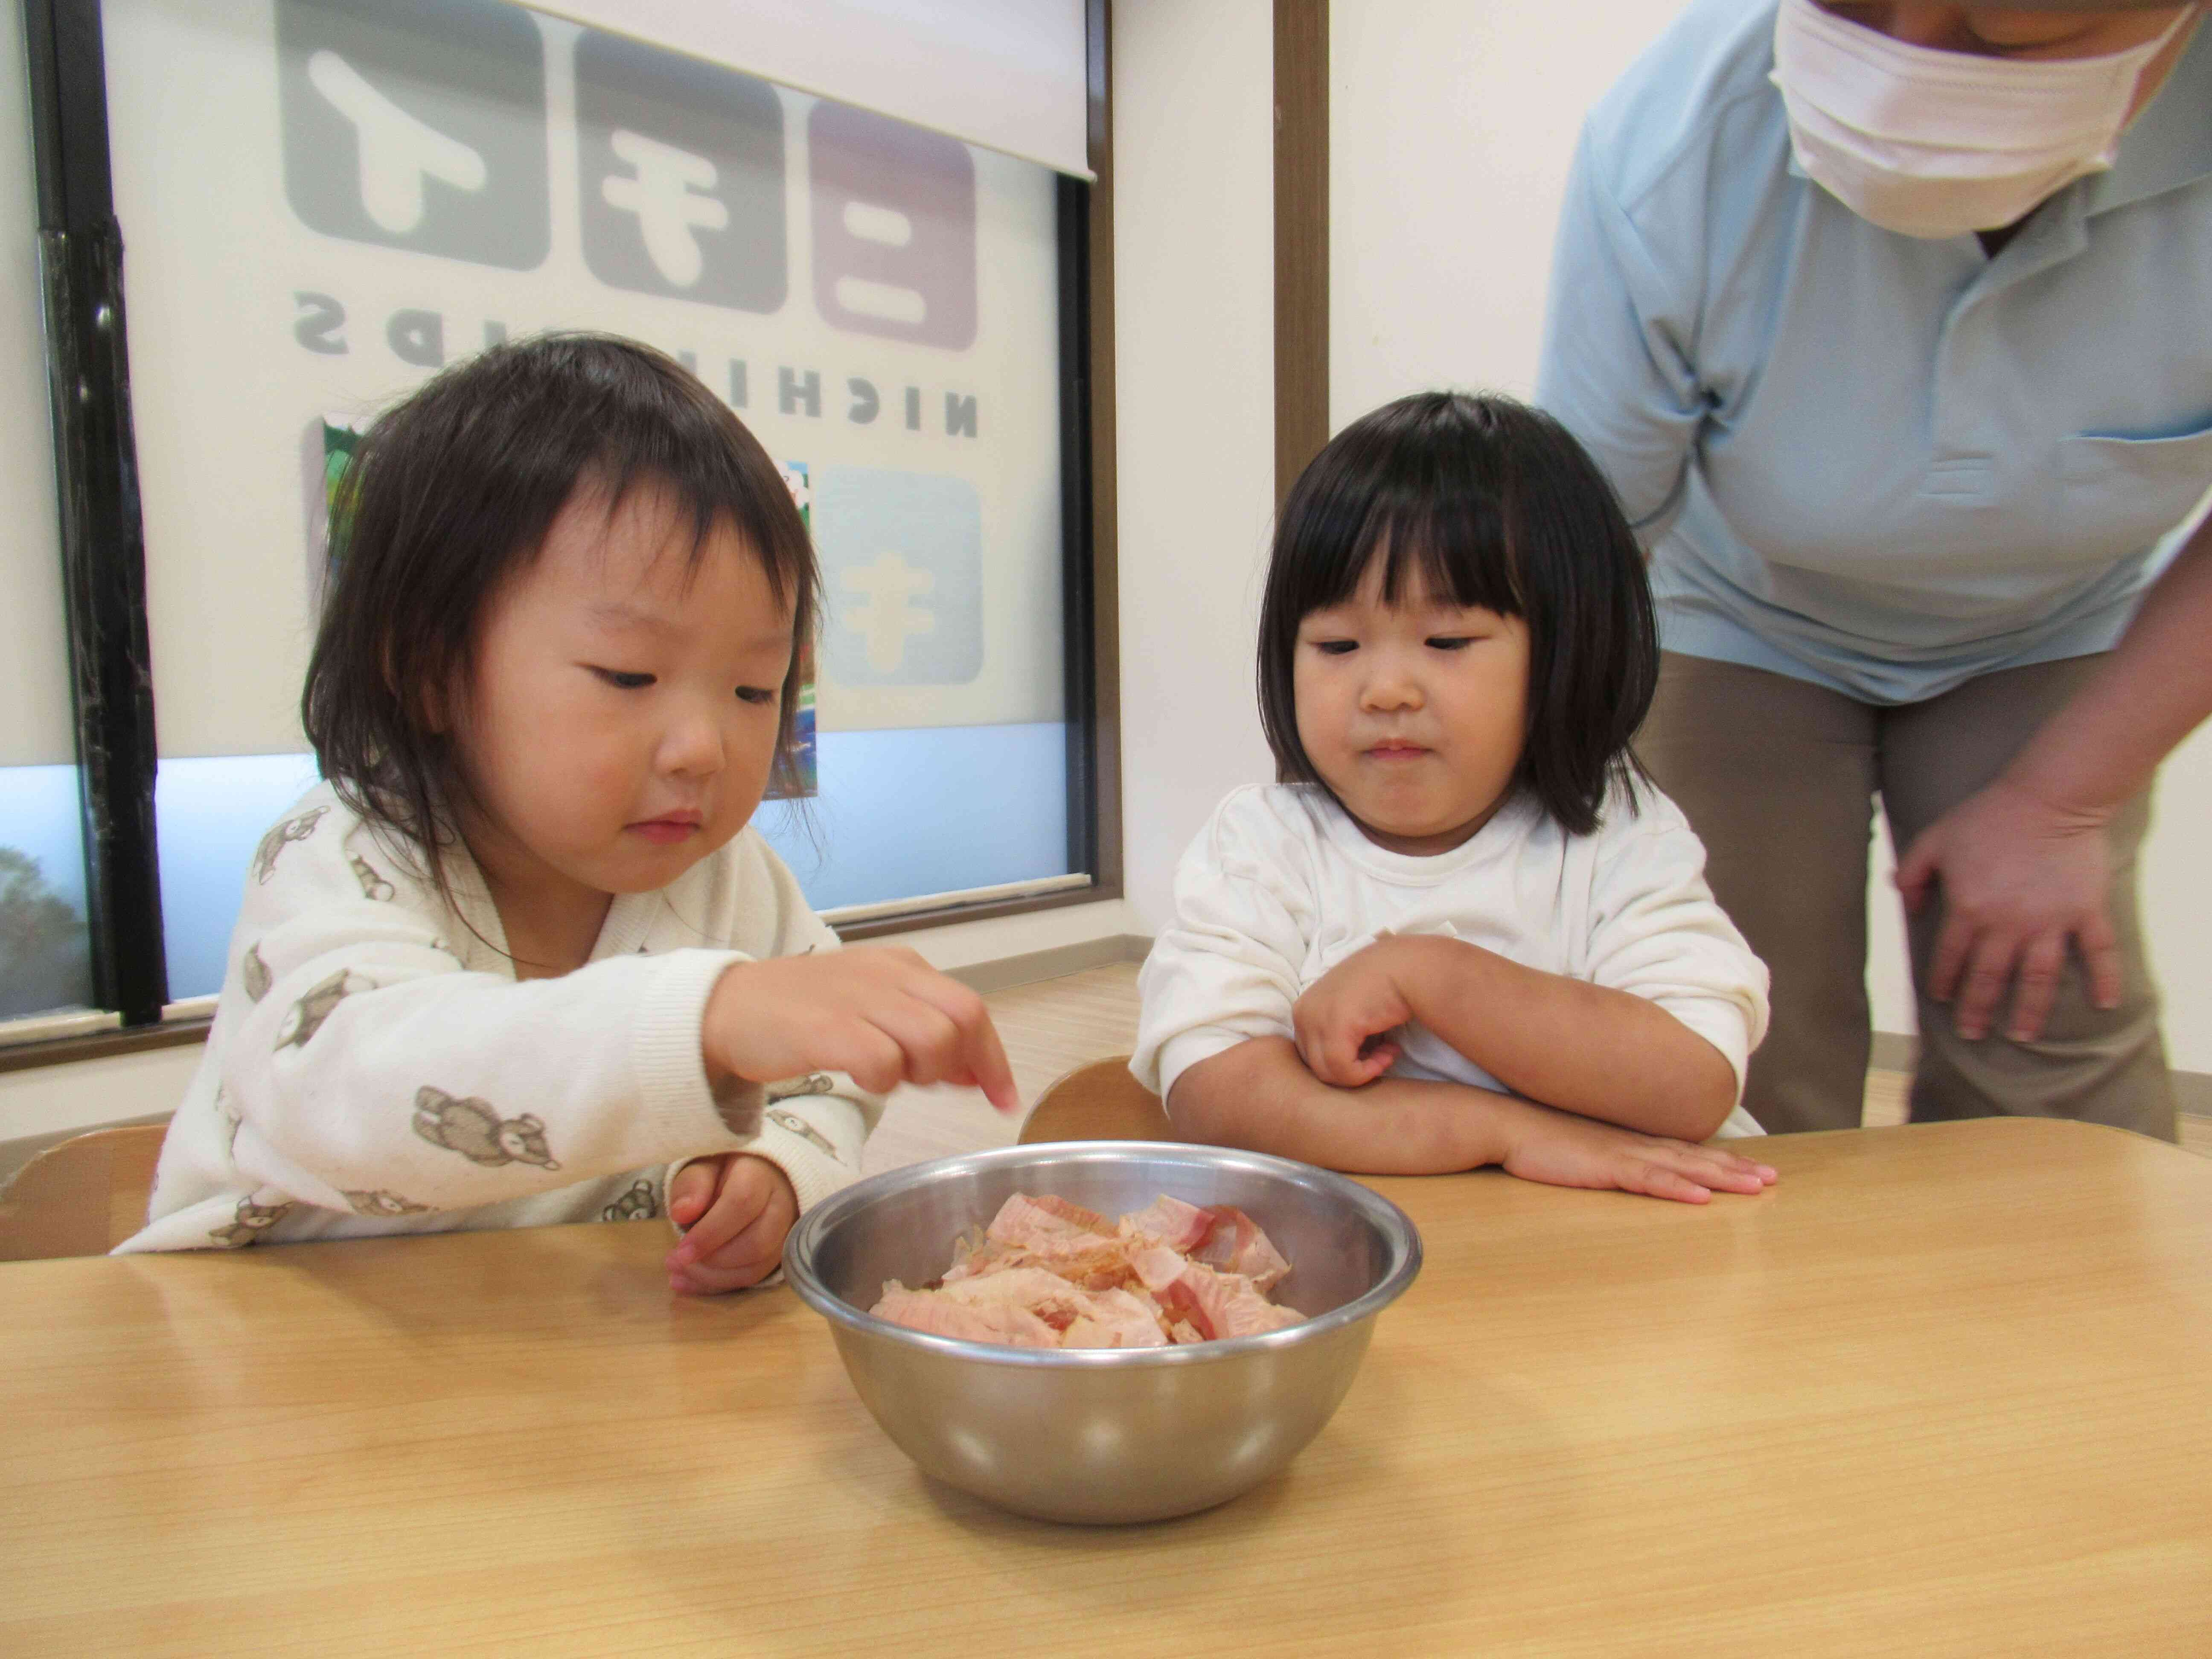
x=103 y=541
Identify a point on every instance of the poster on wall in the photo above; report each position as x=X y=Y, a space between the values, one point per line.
x=806 y=768
x=327 y=200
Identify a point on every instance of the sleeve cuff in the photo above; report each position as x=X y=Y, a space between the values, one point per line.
x=813 y=1173
x=665 y=1054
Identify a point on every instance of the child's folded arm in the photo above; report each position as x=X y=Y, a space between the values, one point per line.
x=1591 y=1050
x=1658 y=933
x=1654 y=1027
x=1650 y=1028
x=1258 y=1094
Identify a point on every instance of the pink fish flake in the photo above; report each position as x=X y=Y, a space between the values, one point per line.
x=1049 y=1273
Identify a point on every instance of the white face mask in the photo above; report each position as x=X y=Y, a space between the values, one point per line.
x=1937 y=143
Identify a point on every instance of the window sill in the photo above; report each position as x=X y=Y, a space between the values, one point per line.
x=103 y=1045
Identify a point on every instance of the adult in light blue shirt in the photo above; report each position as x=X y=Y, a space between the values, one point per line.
x=1908 y=494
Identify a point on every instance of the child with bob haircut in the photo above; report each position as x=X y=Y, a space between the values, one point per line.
x=1462 y=929
x=521 y=958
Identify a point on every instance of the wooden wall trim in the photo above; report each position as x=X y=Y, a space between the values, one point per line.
x=1301 y=236
x=1105 y=578
x=102 y=1045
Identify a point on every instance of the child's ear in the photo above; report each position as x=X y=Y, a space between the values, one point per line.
x=428 y=708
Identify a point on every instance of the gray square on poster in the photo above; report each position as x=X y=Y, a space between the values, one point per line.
x=902 y=573
x=680 y=168
x=416 y=124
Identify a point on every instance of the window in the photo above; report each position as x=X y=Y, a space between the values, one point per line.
x=325 y=201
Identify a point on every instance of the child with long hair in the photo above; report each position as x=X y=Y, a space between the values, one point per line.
x=1462 y=929
x=521 y=958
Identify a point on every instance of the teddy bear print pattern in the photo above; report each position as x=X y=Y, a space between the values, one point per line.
x=251 y=1221
x=280 y=837
x=816 y=1083
x=228 y=1117
x=640 y=1203
x=472 y=1128
x=373 y=886
x=308 y=1014
x=805 y=1131
x=382 y=1203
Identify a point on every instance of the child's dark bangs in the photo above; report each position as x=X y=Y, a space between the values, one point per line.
x=1452 y=548
x=707 y=484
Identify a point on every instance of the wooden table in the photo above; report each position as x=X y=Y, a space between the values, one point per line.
x=1945 y=1390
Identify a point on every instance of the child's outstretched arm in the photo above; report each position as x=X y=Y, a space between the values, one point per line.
x=1261 y=1095
x=1585 y=1049
x=880 y=1014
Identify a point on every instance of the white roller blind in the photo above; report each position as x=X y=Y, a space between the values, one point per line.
x=328 y=200
x=1005 y=74
x=880 y=302
x=36 y=728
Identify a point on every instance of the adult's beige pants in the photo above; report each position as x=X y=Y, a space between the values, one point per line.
x=1780 y=777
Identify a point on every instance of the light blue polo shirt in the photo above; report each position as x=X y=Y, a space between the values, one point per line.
x=1879 y=464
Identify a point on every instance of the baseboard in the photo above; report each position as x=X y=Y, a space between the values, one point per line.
x=2192 y=1092
x=1059 y=961
x=1893 y=1051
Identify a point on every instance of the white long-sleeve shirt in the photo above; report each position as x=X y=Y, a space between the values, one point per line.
x=1281 y=886
x=374 y=1066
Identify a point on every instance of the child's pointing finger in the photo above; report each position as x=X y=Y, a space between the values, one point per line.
x=984 y=1056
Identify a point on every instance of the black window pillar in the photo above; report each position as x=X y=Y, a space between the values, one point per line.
x=96 y=465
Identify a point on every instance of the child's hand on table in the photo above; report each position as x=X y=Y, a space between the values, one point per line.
x=1561 y=1150
x=882 y=1015
x=735 y=1210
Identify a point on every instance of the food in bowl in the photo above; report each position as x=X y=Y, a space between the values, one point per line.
x=1103 y=1435
x=1049 y=1273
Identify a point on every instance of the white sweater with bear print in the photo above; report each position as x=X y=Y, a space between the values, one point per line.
x=374 y=1066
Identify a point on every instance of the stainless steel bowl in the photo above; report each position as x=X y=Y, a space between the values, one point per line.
x=1103 y=1435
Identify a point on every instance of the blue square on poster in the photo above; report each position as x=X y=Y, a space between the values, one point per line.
x=903 y=567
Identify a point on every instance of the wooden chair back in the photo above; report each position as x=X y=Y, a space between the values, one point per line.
x=81 y=1198
x=1098 y=1102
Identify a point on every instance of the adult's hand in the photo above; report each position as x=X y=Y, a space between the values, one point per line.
x=2022 y=879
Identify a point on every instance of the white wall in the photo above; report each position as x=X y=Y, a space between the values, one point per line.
x=40 y=729
x=48 y=1099
x=2176 y=900
x=1451 y=122
x=1451 y=127
x=1194 y=250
